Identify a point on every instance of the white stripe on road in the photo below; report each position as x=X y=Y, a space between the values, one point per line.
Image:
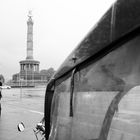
x=33 y=111
x=129 y=112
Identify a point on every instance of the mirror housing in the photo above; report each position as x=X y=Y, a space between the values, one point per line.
x=21 y=127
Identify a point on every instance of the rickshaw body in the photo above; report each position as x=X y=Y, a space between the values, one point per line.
x=95 y=94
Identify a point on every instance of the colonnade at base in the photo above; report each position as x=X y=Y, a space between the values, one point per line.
x=29 y=67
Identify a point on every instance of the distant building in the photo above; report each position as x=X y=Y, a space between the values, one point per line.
x=29 y=74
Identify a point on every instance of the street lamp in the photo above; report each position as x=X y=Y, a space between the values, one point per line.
x=21 y=87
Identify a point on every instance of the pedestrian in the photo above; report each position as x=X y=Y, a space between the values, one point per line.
x=0 y=95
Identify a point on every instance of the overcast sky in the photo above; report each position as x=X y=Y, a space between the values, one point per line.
x=59 y=26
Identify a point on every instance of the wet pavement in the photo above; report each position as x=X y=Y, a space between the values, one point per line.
x=21 y=105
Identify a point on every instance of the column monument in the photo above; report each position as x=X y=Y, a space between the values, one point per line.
x=29 y=68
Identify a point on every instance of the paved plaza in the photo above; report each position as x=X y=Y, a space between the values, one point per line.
x=21 y=105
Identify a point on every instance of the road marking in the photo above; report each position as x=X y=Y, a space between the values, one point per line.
x=26 y=109
x=33 y=111
x=130 y=112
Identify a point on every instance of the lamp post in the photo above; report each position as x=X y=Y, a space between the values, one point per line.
x=26 y=76
x=21 y=88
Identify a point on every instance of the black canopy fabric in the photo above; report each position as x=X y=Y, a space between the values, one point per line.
x=116 y=22
x=0 y=83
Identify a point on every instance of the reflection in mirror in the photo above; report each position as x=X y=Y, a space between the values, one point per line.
x=40 y=127
x=21 y=127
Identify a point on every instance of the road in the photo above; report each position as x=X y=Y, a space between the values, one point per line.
x=21 y=105
x=27 y=105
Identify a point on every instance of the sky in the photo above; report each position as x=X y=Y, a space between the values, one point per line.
x=59 y=26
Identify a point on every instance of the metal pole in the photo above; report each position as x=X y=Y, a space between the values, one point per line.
x=20 y=89
x=26 y=76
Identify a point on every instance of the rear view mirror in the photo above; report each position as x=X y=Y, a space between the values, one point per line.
x=21 y=127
